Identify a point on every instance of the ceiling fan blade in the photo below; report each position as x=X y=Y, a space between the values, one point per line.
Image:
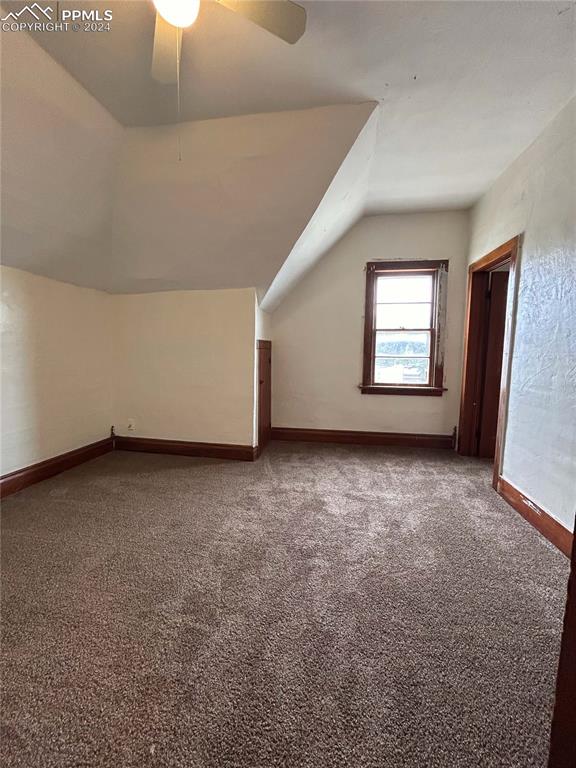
x=167 y=44
x=283 y=18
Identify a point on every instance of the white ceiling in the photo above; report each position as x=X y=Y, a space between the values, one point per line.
x=462 y=87
x=206 y=204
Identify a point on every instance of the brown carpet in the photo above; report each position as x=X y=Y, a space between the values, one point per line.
x=326 y=606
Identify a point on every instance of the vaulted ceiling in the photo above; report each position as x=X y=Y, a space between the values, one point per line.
x=267 y=180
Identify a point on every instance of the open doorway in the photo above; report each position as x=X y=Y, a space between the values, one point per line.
x=491 y=287
x=497 y=295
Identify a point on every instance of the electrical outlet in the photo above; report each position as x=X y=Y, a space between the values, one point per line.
x=131 y=424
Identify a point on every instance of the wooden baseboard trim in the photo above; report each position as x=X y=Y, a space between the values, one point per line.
x=542 y=521
x=186 y=448
x=352 y=437
x=22 y=478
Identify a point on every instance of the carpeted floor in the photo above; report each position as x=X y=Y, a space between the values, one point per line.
x=326 y=606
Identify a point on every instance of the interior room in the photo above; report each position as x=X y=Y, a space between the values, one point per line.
x=288 y=440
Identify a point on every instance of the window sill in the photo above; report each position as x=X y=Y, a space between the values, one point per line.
x=382 y=389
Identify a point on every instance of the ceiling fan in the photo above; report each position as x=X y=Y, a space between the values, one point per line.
x=282 y=18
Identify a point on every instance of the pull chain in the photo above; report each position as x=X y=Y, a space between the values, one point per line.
x=178 y=51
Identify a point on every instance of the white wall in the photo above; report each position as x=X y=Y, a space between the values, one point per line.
x=263 y=324
x=317 y=331
x=76 y=361
x=59 y=150
x=537 y=196
x=56 y=365
x=185 y=365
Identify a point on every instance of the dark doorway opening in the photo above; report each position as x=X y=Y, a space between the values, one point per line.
x=491 y=280
x=496 y=322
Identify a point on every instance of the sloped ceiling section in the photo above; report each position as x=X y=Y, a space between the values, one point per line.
x=59 y=150
x=341 y=207
x=221 y=203
x=206 y=204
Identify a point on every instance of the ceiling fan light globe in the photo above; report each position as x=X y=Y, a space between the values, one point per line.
x=179 y=13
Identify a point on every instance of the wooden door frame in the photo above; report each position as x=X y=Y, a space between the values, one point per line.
x=562 y=741
x=261 y=344
x=474 y=348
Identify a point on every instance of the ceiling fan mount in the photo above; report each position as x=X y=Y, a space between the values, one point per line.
x=282 y=18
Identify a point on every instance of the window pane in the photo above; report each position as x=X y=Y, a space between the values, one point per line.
x=404 y=288
x=403 y=315
x=403 y=343
x=398 y=370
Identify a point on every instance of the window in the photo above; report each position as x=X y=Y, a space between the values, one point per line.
x=403 y=331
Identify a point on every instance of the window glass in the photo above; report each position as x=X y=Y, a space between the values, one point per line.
x=403 y=335
x=404 y=288
x=390 y=316
x=401 y=370
x=403 y=343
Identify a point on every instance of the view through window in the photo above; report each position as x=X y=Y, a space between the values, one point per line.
x=402 y=323
x=404 y=327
